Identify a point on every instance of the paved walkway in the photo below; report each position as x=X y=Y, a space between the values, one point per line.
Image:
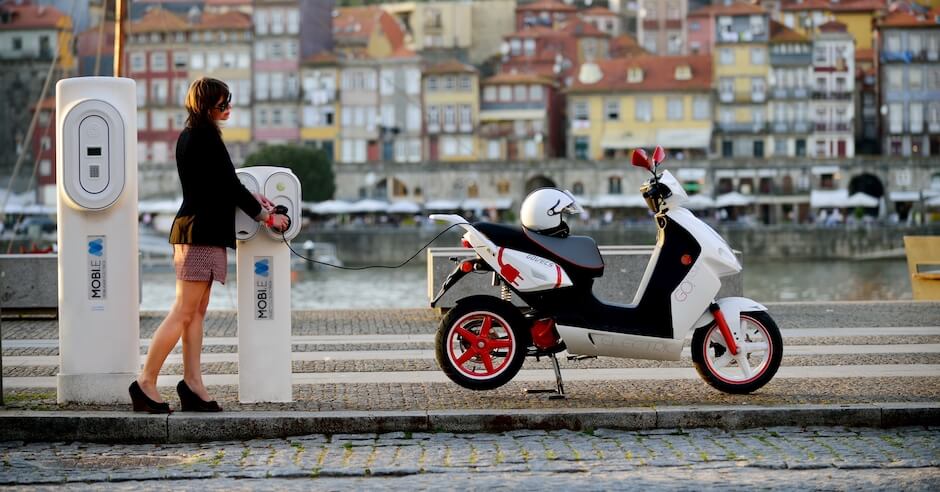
x=383 y=360
x=601 y=459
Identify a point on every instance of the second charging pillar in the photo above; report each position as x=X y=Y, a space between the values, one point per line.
x=263 y=269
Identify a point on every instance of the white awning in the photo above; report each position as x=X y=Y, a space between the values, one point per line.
x=828 y=198
x=404 y=207
x=690 y=173
x=626 y=141
x=486 y=204
x=904 y=196
x=330 y=207
x=819 y=170
x=685 y=138
x=368 y=206
x=860 y=199
x=633 y=200
x=442 y=205
x=733 y=199
x=699 y=202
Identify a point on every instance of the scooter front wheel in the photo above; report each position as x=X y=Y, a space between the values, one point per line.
x=481 y=343
x=758 y=358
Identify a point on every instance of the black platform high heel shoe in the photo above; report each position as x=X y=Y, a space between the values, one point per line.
x=190 y=402
x=143 y=403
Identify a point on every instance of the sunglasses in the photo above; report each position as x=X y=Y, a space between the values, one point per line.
x=227 y=104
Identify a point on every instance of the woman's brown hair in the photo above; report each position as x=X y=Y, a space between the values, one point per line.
x=204 y=94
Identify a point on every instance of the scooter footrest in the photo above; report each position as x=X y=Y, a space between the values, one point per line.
x=581 y=357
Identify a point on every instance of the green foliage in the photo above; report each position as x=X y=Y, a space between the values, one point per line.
x=312 y=167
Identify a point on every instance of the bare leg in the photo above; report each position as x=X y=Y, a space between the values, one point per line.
x=188 y=296
x=192 y=349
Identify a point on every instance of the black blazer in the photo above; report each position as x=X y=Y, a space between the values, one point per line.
x=211 y=191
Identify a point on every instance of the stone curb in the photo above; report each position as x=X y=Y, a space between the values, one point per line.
x=124 y=427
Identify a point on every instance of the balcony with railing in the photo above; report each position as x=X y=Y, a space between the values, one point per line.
x=835 y=127
x=789 y=93
x=790 y=59
x=741 y=127
x=838 y=94
x=790 y=127
x=909 y=56
x=742 y=97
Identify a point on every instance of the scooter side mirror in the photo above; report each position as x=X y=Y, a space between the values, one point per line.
x=640 y=159
x=659 y=155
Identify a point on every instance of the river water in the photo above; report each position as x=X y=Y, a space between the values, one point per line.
x=764 y=281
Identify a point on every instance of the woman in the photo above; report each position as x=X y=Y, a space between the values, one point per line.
x=204 y=227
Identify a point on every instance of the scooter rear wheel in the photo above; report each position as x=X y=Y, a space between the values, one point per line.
x=481 y=343
x=760 y=353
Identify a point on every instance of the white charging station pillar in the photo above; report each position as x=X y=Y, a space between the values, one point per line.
x=263 y=267
x=96 y=176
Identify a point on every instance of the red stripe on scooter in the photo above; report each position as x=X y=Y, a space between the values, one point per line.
x=558 y=278
x=499 y=256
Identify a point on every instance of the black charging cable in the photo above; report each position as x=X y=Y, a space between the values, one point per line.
x=280 y=209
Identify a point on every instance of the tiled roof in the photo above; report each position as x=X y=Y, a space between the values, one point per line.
x=737 y=7
x=32 y=17
x=833 y=26
x=904 y=19
x=598 y=12
x=511 y=78
x=541 y=5
x=858 y=6
x=360 y=22
x=795 y=5
x=228 y=20
x=159 y=20
x=625 y=45
x=780 y=33
x=536 y=32
x=659 y=74
x=450 y=66
x=865 y=54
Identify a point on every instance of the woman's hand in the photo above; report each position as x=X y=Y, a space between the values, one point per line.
x=266 y=204
x=278 y=223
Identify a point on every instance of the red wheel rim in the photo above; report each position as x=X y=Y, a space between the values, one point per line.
x=751 y=328
x=480 y=345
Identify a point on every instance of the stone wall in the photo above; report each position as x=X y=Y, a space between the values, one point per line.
x=391 y=246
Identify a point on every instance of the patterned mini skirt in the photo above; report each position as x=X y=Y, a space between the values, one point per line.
x=199 y=263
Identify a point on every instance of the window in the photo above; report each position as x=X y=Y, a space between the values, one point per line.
x=180 y=88
x=612 y=110
x=758 y=87
x=505 y=93
x=644 y=110
x=535 y=92
x=726 y=56
x=530 y=149
x=180 y=60
x=726 y=86
x=213 y=61
x=138 y=62
x=915 y=78
x=431 y=84
x=160 y=152
x=895 y=78
x=580 y=111
x=141 y=95
x=695 y=26
x=896 y=118
x=520 y=93
x=160 y=121
x=158 y=61
x=387 y=86
x=701 y=108
x=45 y=167
x=780 y=147
x=917 y=117
x=466 y=116
x=489 y=93
x=228 y=60
x=502 y=187
x=413 y=118
x=450 y=82
x=197 y=61
x=758 y=148
x=683 y=72
x=450 y=118
x=635 y=75
x=614 y=185
x=758 y=56
x=493 y=149
x=158 y=91
x=582 y=150
x=674 y=108
x=17 y=43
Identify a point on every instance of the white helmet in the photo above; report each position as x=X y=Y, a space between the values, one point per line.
x=542 y=211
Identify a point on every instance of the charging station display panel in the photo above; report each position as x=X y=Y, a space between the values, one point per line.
x=246 y=227
x=93 y=155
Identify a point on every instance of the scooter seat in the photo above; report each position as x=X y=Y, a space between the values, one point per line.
x=577 y=253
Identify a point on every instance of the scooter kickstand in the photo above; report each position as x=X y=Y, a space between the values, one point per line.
x=559 y=392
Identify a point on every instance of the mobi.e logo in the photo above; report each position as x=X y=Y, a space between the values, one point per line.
x=263 y=295
x=96 y=267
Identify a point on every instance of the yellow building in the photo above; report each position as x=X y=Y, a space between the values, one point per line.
x=741 y=71
x=619 y=105
x=857 y=15
x=320 y=108
x=451 y=111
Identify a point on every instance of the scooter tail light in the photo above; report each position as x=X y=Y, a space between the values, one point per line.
x=466 y=267
x=544 y=335
x=465 y=243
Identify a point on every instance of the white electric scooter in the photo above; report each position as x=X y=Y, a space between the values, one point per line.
x=482 y=342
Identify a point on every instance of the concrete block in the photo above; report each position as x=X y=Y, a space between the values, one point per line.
x=105 y=427
x=738 y=417
x=29 y=282
x=908 y=414
x=236 y=426
x=529 y=419
x=624 y=268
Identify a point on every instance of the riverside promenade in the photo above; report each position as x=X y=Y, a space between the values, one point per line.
x=848 y=363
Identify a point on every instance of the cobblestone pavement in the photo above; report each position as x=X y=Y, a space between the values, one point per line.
x=696 y=459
